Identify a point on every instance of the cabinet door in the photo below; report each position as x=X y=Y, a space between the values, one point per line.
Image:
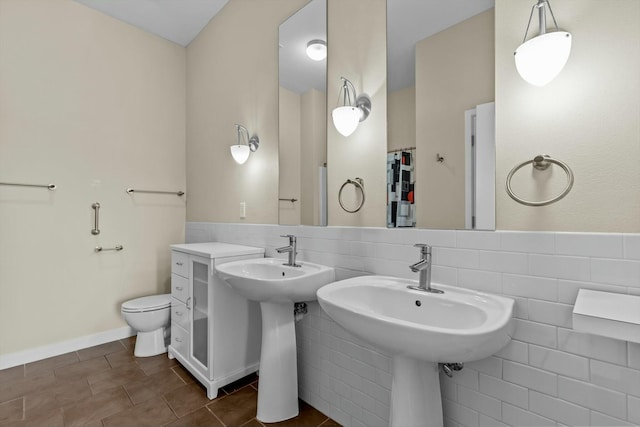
x=200 y=312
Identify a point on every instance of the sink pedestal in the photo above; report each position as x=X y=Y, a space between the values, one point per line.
x=415 y=393
x=278 y=383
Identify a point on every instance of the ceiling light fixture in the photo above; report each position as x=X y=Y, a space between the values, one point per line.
x=317 y=50
x=541 y=59
x=348 y=115
x=242 y=149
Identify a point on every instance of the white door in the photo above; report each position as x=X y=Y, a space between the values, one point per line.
x=480 y=179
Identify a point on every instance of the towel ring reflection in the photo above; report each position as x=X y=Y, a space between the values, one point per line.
x=359 y=184
x=541 y=162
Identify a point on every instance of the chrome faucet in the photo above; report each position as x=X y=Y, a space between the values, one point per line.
x=291 y=249
x=424 y=268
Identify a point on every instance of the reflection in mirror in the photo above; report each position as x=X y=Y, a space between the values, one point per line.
x=440 y=65
x=302 y=118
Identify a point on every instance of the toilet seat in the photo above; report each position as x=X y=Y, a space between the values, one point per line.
x=148 y=303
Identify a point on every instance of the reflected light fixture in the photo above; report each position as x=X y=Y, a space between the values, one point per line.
x=348 y=114
x=541 y=59
x=317 y=49
x=245 y=145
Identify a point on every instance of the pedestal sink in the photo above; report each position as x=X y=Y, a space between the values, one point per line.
x=420 y=330
x=277 y=287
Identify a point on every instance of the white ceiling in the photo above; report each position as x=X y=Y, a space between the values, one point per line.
x=177 y=20
x=408 y=21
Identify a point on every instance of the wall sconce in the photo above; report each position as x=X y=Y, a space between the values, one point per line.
x=348 y=114
x=245 y=145
x=317 y=50
x=541 y=59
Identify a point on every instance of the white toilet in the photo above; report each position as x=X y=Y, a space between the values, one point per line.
x=150 y=316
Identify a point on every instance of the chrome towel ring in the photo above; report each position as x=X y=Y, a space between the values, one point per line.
x=359 y=184
x=541 y=162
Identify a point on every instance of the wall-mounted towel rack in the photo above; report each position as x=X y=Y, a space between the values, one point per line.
x=359 y=184
x=101 y=249
x=177 y=193
x=292 y=200
x=541 y=162
x=50 y=187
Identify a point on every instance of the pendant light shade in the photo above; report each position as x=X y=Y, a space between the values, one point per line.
x=541 y=59
x=348 y=114
x=346 y=119
x=240 y=153
x=245 y=145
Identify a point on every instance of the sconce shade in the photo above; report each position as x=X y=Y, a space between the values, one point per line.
x=541 y=59
x=346 y=119
x=240 y=153
x=317 y=50
x=347 y=115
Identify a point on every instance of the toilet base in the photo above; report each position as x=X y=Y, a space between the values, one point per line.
x=150 y=343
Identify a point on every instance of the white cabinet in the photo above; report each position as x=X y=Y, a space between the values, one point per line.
x=215 y=333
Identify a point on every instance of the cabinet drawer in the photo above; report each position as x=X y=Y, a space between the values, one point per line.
x=180 y=315
x=180 y=263
x=179 y=340
x=179 y=288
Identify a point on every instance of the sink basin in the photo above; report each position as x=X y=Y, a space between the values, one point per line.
x=420 y=330
x=457 y=326
x=267 y=279
x=277 y=287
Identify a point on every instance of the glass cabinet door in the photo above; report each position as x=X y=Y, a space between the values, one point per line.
x=200 y=313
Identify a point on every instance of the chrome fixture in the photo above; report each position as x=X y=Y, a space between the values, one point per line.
x=96 y=210
x=424 y=268
x=449 y=368
x=291 y=249
x=245 y=146
x=177 y=193
x=541 y=162
x=351 y=111
x=317 y=49
x=101 y=249
x=541 y=59
x=359 y=184
x=50 y=187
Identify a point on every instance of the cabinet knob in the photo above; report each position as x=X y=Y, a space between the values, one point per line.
x=178 y=339
x=179 y=263
x=179 y=288
x=178 y=313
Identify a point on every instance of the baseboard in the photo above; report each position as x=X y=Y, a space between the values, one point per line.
x=38 y=353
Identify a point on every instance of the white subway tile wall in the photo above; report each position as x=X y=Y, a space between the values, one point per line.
x=548 y=375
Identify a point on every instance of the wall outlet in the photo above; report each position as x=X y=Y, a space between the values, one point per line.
x=243 y=210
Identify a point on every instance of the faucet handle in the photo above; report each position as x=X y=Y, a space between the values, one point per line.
x=424 y=248
x=291 y=237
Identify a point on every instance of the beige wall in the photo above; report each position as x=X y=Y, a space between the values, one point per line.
x=454 y=73
x=289 y=156
x=302 y=149
x=358 y=49
x=95 y=106
x=232 y=77
x=313 y=153
x=588 y=117
x=401 y=120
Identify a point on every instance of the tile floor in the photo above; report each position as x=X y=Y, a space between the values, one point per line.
x=107 y=386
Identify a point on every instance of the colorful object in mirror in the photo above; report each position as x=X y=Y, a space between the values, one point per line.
x=400 y=188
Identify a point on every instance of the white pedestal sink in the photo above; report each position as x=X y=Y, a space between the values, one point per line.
x=277 y=287
x=420 y=330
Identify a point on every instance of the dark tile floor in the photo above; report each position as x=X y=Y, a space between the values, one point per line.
x=107 y=386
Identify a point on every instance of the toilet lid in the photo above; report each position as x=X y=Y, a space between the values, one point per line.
x=149 y=303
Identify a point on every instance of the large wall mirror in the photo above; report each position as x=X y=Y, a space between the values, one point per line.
x=302 y=116
x=421 y=35
x=440 y=82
